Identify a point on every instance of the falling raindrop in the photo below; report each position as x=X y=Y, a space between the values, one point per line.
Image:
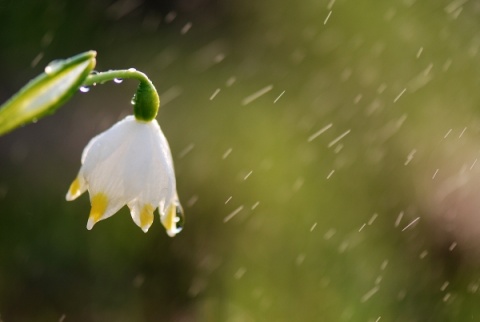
x=215 y=93
x=47 y=39
x=232 y=214
x=447 y=297
x=372 y=219
x=419 y=52
x=328 y=16
x=247 y=100
x=423 y=254
x=444 y=286
x=278 y=97
x=186 y=28
x=185 y=151
x=37 y=59
x=225 y=155
x=192 y=201
x=170 y=16
x=452 y=246
x=230 y=81
x=240 y=272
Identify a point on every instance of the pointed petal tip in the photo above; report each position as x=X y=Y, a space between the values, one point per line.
x=173 y=219
x=90 y=223
x=171 y=233
x=76 y=189
x=142 y=215
x=99 y=205
x=70 y=197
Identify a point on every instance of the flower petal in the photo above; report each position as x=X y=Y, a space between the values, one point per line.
x=142 y=214
x=87 y=148
x=130 y=163
x=102 y=208
x=77 y=187
x=173 y=218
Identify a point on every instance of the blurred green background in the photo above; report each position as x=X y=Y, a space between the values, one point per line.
x=375 y=219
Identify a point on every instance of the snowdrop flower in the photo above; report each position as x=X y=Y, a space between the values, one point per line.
x=131 y=164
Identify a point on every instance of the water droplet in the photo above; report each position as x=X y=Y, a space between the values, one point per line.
x=179 y=217
x=53 y=67
x=170 y=16
x=84 y=89
x=118 y=80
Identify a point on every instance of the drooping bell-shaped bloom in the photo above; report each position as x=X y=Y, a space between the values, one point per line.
x=130 y=164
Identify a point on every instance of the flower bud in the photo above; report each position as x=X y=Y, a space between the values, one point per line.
x=48 y=91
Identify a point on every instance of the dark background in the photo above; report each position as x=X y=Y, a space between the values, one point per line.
x=383 y=225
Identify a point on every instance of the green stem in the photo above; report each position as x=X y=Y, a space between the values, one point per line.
x=103 y=77
x=146 y=100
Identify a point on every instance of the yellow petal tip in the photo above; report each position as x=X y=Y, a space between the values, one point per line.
x=75 y=190
x=99 y=206
x=169 y=221
x=146 y=217
x=90 y=224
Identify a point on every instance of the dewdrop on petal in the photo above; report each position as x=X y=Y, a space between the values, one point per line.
x=130 y=164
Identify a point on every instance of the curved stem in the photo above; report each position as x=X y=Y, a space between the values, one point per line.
x=146 y=100
x=103 y=77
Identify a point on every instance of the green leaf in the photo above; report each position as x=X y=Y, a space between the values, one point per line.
x=47 y=92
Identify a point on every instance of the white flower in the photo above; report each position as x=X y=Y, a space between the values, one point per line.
x=130 y=164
